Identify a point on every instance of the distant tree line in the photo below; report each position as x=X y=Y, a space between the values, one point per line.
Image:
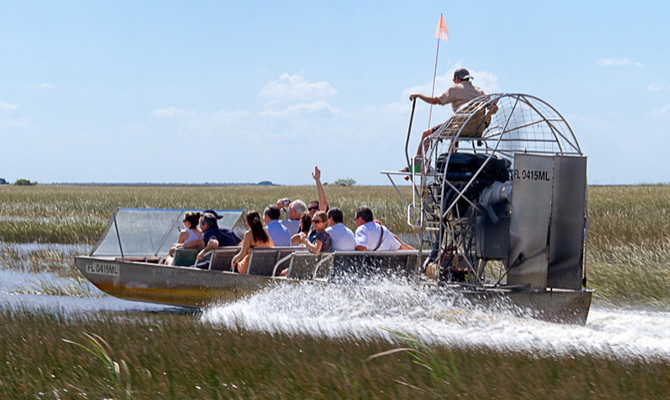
x=24 y=182
x=344 y=182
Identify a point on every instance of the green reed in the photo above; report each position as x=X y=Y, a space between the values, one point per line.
x=628 y=238
x=78 y=287
x=55 y=260
x=78 y=214
x=118 y=373
x=178 y=357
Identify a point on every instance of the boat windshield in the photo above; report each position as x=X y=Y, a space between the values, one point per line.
x=144 y=232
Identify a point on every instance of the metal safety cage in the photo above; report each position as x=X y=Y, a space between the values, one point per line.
x=465 y=172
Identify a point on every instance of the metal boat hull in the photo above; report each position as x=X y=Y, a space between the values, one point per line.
x=164 y=284
x=192 y=287
x=557 y=305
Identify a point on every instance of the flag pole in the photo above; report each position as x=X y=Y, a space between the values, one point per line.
x=432 y=93
x=441 y=33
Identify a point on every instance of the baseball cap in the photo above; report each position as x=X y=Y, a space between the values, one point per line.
x=210 y=211
x=462 y=74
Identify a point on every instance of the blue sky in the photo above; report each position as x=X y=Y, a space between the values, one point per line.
x=218 y=91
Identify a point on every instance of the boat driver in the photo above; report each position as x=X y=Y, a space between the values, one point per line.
x=460 y=93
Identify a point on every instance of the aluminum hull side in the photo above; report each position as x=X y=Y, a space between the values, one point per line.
x=179 y=286
x=190 y=287
x=558 y=305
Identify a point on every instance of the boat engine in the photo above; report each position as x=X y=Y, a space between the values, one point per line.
x=480 y=215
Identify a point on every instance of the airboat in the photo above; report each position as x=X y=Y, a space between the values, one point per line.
x=499 y=195
x=498 y=199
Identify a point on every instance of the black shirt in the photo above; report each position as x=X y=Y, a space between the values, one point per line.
x=225 y=236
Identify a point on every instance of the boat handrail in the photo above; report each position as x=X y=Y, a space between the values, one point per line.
x=280 y=261
x=318 y=265
x=210 y=253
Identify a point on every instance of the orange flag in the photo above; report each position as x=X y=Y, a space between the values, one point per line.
x=441 y=30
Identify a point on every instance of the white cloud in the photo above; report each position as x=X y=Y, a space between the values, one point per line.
x=43 y=86
x=660 y=112
x=7 y=106
x=609 y=62
x=655 y=87
x=302 y=109
x=297 y=88
x=487 y=81
x=172 y=112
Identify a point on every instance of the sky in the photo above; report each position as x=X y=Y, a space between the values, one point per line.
x=222 y=91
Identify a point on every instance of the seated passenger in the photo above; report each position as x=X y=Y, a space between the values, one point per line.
x=373 y=236
x=322 y=240
x=278 y=232
x=186 y=237
x=255 y=237
x=343 y=237
x=294 y=210
x=213 y=236
x=305 y=226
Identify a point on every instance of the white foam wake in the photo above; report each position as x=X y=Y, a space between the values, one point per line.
x=371 y=311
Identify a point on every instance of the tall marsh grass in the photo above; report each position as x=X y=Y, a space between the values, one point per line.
x=628 y=258
x=58 y=260
x=179 y=357
x=78 y=214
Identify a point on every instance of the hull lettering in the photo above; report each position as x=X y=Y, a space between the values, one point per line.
x=102 y=269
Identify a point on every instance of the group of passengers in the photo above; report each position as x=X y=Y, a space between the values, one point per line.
x=315 y=227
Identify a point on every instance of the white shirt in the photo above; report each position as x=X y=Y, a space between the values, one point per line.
x=343 y=237
x=367 y=235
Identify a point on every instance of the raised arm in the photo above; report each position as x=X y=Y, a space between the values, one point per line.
x=323 y=204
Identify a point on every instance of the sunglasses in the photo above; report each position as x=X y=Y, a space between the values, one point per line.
x=313 y=208
x=316 y=221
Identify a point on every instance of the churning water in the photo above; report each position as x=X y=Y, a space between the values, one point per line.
x=374 y=311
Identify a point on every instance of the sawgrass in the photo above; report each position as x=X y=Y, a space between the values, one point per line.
x=176 y=356
x=628 y=240
x=629 y=245
x=78 y=214
x=619 y=215
x=179 y=357
x=57 y=260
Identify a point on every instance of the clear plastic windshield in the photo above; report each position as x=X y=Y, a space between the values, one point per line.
x=148 y=232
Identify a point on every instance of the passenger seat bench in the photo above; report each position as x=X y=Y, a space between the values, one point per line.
x=303 y=265
x=185 y=257
x=262 y=261
x=345 y=265
x=222 y=258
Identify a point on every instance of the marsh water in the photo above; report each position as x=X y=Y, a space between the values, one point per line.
x=359 y=311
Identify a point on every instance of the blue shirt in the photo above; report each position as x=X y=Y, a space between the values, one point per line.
x=279 y=234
